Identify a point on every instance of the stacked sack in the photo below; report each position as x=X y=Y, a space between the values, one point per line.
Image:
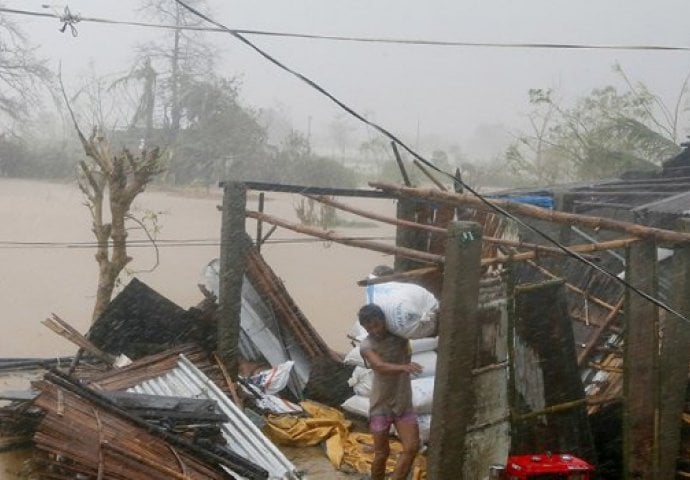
x=410 y=312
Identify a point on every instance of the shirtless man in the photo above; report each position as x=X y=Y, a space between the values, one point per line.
x=391 y=394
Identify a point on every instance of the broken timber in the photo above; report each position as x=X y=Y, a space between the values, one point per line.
x=368 y=244
x=596 y=223
x=582 y=248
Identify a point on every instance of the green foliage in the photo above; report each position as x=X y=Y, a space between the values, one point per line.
x=294 y=162
x=603 y=134
x=24 y=157
x=217 y=132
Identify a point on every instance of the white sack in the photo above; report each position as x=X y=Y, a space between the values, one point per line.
x=418 y=345
x=354 y=357
x=427 y=360
x=410 y=310
x=424 y=427
x=357 y=404
x=361 y=381
x=273 y=380
x=422 y=394
x=358 y=331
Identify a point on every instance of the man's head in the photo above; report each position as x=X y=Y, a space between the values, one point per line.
x=372 y=318
x=382 y=271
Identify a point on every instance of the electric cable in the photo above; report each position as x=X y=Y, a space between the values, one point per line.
x=72 y=20
x=418 y=156
x=14 y=244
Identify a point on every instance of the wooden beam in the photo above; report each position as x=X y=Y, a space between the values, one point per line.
x=337 y=192
x=595 y=223
x=368 y=244
x=582 y=248
x=429 y=175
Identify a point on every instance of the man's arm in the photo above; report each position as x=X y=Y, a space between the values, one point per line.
x=377 y=364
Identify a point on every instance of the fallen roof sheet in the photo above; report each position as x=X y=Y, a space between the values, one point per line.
x=88 y=438
x=243 y=437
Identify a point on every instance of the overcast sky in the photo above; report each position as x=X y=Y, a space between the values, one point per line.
x=447 y=92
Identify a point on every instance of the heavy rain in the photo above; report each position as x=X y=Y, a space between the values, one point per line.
x=443 y=240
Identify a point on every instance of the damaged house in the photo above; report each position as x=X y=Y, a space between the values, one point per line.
x=534 y=346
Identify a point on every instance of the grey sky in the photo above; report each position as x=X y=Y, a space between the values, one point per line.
x=446 y=91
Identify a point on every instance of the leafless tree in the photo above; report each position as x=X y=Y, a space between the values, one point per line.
x=110 y=182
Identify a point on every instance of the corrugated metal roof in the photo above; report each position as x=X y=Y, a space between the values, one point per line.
x=242 y=436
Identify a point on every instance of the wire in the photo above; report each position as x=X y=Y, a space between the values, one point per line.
x=12 y=244
x=412 y=152
x=343 y=38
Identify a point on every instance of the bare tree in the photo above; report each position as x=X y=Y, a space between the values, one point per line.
x=178 y=59
x=111 y=181
x=22 y=74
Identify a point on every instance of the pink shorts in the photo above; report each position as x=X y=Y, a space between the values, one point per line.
x=382 y=423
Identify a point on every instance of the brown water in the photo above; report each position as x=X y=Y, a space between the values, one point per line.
x=36 y=280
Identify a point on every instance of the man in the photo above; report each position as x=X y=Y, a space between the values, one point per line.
x=388 y=356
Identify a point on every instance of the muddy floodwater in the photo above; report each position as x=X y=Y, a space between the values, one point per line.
x=47 y=260
x=47 y=266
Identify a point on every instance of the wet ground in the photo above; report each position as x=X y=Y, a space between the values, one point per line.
x=315 y=464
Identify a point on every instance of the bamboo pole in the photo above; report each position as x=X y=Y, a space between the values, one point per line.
x=596 y=223
x=368 y=244
x=419 y=272
x=608 y=193
x=572 y=287
x=429 y=175
x=561 y=407
x=582 y=248
x=613 y=314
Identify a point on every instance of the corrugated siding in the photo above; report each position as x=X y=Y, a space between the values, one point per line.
x=242 y=436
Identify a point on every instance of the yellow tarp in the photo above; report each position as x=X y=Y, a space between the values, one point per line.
x=346 y=450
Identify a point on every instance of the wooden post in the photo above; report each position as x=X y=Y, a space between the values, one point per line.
x=259 y=223
x=233 y=258
x=453 y=409
x=406 y=237
x=564 y=203
x=401 y=165
x=546 y=375
x=675 y=356
x=641 y=365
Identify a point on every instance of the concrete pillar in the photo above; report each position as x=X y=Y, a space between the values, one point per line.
x=233 y=258
x=641 y=365
x=454 y=398
x=675 y=357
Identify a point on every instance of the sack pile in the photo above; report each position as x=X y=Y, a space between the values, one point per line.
x=411 y=313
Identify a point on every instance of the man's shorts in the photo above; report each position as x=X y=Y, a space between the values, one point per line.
x=382 y=423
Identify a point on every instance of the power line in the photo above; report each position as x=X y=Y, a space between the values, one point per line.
x=72 y=20
x=13 y=244
x=418 y=156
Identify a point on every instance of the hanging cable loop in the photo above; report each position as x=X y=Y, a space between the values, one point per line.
x=69 y=20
